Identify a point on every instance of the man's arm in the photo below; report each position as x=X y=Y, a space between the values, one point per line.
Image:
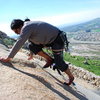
x=22 y=39
x=5 y=59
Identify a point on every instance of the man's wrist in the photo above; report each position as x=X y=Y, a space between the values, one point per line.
x=9 y=59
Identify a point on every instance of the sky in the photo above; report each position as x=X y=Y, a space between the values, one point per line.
x=55 y=12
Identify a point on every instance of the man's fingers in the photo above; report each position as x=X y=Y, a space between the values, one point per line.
x=5 y=59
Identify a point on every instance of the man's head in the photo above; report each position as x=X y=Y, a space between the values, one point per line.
x=16 y=25
x=27 y=19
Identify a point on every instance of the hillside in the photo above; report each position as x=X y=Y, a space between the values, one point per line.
x=22 y=79
x=87 y=26
x=88 y=31
x=26 y=80
x=6 y=40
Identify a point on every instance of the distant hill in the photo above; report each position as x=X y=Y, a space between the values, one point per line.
x=87 y=26
x=9 y=41
x=6 y=40
x=88 y=31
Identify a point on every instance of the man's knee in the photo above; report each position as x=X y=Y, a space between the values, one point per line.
x=60 y=63
x=58 y=57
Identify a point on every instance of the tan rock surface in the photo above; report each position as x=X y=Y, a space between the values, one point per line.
x=26 y=80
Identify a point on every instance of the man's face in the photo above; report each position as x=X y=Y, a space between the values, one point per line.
x=17 y=31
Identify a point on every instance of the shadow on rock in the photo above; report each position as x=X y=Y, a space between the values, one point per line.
x=76 y=93
x=40 y=79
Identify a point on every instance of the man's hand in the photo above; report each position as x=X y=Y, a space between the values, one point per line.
x=5 y=59
x=30 y=57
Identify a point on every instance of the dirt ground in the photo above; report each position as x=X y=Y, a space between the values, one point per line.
x=26 y=80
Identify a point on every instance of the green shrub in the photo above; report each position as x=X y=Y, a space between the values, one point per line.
x=88 y=64
x=8 y=41
x=91 y=65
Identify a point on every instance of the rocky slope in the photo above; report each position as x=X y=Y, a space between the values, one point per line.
x=6 y=40
x=26 y=80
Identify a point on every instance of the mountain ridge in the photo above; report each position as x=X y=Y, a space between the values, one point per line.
x=89 y=25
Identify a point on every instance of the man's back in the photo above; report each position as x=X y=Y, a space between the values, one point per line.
x=41 y=32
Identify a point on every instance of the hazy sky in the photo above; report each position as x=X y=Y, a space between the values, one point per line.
x=56 y=12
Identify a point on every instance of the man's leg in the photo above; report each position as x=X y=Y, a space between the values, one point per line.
x=70 y=75
x=60 y=63
x=37 y=49
x=49 y=60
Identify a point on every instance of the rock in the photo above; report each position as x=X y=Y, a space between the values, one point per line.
x=85 y=75
x=3 y=35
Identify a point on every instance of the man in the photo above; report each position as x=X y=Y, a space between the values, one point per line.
x=40 y=34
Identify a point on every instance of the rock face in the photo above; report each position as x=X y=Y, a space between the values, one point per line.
x=6 y=40
x=26 y=80
x=3 y=35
